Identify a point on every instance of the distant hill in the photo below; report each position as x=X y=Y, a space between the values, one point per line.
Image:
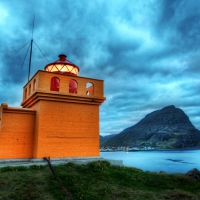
x=104 y=139
x=167 y=128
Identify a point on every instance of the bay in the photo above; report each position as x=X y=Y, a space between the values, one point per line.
x=169 y=161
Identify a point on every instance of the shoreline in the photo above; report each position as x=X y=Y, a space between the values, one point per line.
x=182 y=149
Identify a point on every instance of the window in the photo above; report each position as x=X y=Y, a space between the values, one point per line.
x=25 y=94
x=73 y=86
x=55 y=84
x=34 y=85
x=89 y=89
x=29 y=90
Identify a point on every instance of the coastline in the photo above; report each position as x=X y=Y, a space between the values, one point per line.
x=182 y=149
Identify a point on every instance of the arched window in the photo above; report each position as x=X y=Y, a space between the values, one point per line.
x=55 y=84
x=29 y=90
x=89 y=89
x=73 y=86
x=34 y=85
x=25 y=94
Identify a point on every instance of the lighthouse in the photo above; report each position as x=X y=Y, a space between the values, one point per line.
x=59 y=117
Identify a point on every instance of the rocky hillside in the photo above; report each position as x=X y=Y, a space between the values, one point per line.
x=167 y=128
x=104 y=139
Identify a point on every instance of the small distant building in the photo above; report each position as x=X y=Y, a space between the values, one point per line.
x=59 y=115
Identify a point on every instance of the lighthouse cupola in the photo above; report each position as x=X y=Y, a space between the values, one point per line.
x=62 y=66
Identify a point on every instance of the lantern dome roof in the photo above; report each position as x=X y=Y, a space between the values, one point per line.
x=62 y=66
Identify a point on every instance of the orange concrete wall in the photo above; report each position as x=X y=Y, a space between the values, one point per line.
x=66 y=124
x=41 y=82
x=16 y=133
x=31 y=87
x=66 y=129
x=58 y=124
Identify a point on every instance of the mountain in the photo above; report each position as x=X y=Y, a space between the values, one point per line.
x=103 y=139
x=167 y=128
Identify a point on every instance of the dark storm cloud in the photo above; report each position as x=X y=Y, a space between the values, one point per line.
x=147 y=52
x=181 y=18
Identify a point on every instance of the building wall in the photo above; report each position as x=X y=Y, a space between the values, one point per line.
x=16 y=133
x=53 y=123
x=67 y=124
x=41 y=82
x=66 y=129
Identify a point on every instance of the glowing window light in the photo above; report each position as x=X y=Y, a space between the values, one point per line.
x=62 y=66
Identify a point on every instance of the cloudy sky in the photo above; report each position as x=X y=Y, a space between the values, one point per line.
x=146 y=51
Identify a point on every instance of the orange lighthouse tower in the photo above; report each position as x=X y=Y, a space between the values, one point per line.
x=59 y=115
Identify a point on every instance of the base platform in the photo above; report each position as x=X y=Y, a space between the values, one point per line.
x=54 y=161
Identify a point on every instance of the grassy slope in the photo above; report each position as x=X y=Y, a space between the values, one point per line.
x=95 y=181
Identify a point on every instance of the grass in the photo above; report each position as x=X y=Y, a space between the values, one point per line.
x=95 y=181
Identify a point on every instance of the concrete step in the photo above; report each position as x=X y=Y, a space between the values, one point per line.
x=54 y=162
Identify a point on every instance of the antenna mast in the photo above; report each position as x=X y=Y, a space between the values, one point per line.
x=29 y=68
x=30 y=47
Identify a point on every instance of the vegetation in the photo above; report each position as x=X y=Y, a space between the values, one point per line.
x=95 y=181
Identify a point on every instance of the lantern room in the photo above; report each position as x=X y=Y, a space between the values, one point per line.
x=62 y=66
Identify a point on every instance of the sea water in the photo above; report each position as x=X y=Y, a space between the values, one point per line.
x=169 y=161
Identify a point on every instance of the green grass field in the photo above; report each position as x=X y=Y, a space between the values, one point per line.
x=95 y=181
